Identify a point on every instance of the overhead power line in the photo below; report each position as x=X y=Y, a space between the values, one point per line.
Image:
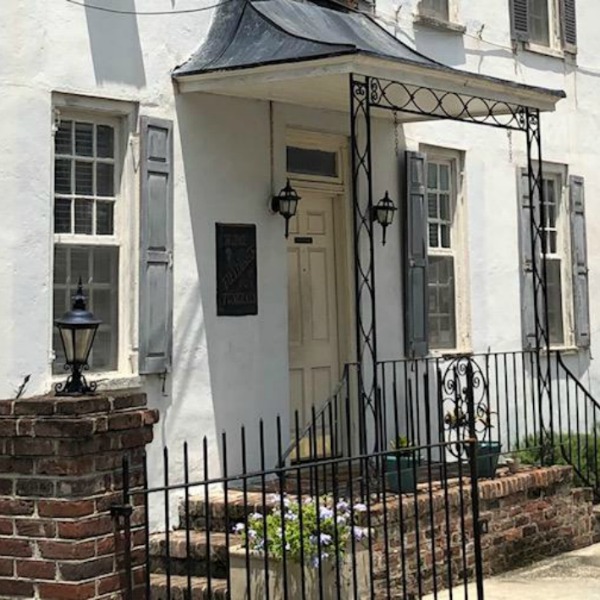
x=147 y=13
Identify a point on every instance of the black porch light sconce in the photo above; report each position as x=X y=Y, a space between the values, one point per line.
x=286 y=203
x=77 y=329
x=383 y=213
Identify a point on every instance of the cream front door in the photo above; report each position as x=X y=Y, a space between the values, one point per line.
x=313 y=305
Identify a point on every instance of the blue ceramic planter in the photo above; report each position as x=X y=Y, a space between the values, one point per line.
x=400 y=473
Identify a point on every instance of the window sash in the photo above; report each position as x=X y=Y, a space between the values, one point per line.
x=97 y=234
x=540 y=20
x=439 y=9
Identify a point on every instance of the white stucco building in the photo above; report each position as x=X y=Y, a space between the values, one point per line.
x=92 y=106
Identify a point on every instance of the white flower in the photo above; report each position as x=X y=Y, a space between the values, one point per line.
x=360 y=507
x=239 y=528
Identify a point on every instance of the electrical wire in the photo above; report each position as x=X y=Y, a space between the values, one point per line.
x=148 y=13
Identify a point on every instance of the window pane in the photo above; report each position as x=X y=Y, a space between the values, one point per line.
x=62 y=176
x=62 y=215
x=104 y=218
x=445 y=207
x=444 y=177
x=307 y=161
x=442 y=318
x=83 y=178
x=84 y=212
x=555 y=313
x=80 y=258
x=434 y=240
x=445 y=230
x=436 y=8
x=432 y=204
x=60 y=264
x=105 y=179
x=101 y=289
x=105 y=264
x=105 y=144
x=432 y=176
x=84 y=139
x=63 y=138
x=539 y=22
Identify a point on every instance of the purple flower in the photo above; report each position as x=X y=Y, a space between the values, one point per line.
x=325 y=513
x=325 y=539
x=359 y=533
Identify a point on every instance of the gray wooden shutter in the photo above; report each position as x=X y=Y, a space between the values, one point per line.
x=416 y=315
x=526 y=263
x=568 y=25
x=519 y=18
x=581 y=302
x=156 y=246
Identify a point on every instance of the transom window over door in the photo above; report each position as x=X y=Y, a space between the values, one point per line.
x=86 y=245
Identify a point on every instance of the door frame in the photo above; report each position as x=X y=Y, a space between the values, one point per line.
x=338 y=188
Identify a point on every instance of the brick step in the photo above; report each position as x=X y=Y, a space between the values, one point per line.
x=198 y=559
x=178 y=590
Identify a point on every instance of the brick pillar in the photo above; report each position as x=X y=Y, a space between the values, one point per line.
x=60 y=472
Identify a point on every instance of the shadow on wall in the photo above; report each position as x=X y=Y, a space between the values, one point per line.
x=115 y=43
x=447 y=48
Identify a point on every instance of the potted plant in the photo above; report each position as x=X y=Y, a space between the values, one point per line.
x=322 y=545
x=488 y=451
x=400 y=467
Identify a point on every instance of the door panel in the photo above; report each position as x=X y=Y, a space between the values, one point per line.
x=312 y=305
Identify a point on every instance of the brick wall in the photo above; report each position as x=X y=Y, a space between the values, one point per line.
x=60 y=473
x=530 y=515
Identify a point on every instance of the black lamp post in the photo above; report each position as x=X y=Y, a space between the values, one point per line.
x=383 y=213
x=286 y=204
x=77 y=328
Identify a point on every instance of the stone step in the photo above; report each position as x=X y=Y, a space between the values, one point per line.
x=197 y=560
x=178 y=589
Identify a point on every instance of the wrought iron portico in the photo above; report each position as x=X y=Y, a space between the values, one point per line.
x=368 y=93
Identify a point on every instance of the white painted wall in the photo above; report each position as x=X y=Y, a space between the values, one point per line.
x=230 y=371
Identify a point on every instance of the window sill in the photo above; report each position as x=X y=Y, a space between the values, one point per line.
x=111 y=380
x=440 y=24
x=566 y=54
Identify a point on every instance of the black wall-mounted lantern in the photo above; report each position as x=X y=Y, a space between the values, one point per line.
x=286 y=204
x=77 y=328
x=383 y=213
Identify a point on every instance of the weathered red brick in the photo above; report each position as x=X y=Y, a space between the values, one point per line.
x=13 y=588
x=109 y=584
x=66 y=591
x=15 y=547
x=35 y=407
x=16 y=506
x=11 y=464
x=82 y=406
x=65 y=466
x=94 y=527
x=34 y=527
x=35 y=487
x=129 y=401
x=31 y=447
x=36 y=569
x=63 y=550
x=65 y=508
x=91 y=569
x=71 y=428
x=7 y=567
x=128 y=420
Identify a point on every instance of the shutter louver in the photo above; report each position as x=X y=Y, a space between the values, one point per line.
x=156 y=246
x=526 y=266
x=416 y=321
x=579 y=262
x=519 y=16
x=568 y=24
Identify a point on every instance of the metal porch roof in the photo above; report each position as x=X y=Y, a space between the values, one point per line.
x=254 y=46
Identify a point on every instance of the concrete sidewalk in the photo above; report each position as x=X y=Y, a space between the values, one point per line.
x=575 y=576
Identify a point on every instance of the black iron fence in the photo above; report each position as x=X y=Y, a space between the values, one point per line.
x=308 y=530
x=370 y=500
x=425 y=401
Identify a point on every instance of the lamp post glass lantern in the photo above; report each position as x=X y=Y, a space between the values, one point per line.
x=77 y=329
x=286 y=203
x=383 y=213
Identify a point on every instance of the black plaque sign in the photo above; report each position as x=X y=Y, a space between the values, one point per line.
x=237 y=293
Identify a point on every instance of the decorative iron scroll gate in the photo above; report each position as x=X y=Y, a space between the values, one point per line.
x=368 y=93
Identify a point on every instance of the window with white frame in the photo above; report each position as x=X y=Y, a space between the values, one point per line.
x=86 y=241
x=558 y=263
x=545 y=23
x=438 y=9
x=448 y=303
